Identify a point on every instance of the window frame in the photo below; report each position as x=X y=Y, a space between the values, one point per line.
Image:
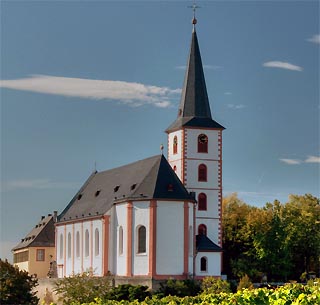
x=204 y=263
x=202 y=229
x=202 y=202
x=120 y=241
x=77 y=244
x=96 y=242
x=202 y=173
x=69 y=246
x=86 y=243
x=141 y=240
x=202 y=146
x=41 y=255
x=175 y=145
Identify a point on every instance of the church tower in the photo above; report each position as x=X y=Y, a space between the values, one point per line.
x=195 y=154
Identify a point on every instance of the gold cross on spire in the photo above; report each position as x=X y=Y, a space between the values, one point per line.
x=194 y=7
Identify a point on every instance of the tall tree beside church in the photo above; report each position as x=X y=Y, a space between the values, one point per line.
x=237 y=243
x=302 y=217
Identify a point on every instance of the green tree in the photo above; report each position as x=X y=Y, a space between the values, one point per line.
x=238 y=258
x=82 y=288
x=16 y=286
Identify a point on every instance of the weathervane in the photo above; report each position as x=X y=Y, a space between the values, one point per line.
x=194 y=8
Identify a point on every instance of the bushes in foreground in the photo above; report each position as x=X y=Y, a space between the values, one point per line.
x=295 y=294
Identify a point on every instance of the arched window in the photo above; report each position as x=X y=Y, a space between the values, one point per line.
x=86 y=243
x=202 y=202
x=61 y=246
x=202 y=143
x=69 y=245
x=202 y=229
x=203 y=264
x=96 y=242
x=142 y=238
x=202 y=173
x=120 y=240
x=175 y=145
x=77 y=244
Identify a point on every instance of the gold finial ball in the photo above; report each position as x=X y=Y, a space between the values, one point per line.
x=194 y=20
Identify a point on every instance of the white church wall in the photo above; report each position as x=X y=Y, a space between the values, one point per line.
x=141 y=215
x=192 y=174
x=169 y=238
x=68 y=250
x=213 y=264
x=60 y=248
x=192 y=142
x=212 y=228
x=178 y=155
x=121 y=221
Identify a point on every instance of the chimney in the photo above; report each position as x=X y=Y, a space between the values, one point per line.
x=55 y=216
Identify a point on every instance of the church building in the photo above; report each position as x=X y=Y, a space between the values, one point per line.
x=156 y=218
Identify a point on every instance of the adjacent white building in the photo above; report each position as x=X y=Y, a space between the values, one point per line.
x=154 y=218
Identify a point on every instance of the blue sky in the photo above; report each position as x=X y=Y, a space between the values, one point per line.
x=98 y=82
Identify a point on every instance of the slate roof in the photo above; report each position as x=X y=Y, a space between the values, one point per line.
x=42 y=235
x=205 y=244
x=194 y=109
x=151 y=178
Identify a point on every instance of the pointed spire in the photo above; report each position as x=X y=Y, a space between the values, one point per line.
x=194 y=109
x=194 y=99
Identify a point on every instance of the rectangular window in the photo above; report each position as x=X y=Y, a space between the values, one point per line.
x=40 y=255
x=21 y=257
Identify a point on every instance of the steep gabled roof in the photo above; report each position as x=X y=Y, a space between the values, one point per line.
x=205 y=244
x=42 y=235
x=194 y=109
x=151 y=178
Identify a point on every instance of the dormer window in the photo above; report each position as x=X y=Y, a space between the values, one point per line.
x=175 y=145
x=79 y=196
x=116 y=188
x=133 y=186
x=97 y=193
x=202 y=143
x=170 y=187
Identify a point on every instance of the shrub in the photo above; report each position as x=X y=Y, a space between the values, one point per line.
x=211 y=284
x=16 y=286
x=81 y=288
x=128 y=292
x=183 y=288
x=245 y=283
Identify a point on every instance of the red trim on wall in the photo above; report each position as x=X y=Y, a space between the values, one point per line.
x=186 y=237
x=105 y=262
x=129 y=238
x=153 y=238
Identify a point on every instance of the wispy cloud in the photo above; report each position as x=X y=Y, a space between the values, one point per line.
x=228 y=93
x=133 y=94
x=312 y=159
x=282 y=65
x=291 y=161
x=309 y=159
x=314 y=39
x=36 y=184
x=236 y=107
